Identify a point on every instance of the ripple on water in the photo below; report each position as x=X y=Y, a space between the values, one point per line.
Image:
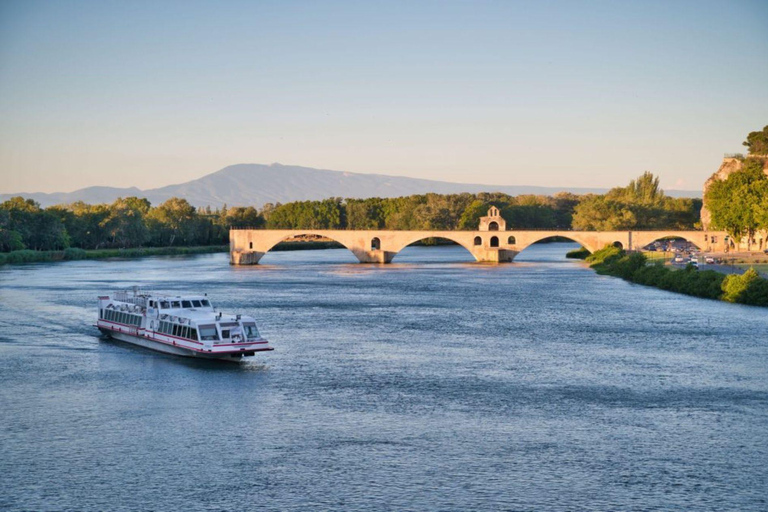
x=430 y=384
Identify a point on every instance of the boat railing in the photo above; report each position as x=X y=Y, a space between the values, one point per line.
x=137 y=296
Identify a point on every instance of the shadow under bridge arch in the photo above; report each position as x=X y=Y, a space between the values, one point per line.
x=304 y=240
x=525 y=241
x=442 y=240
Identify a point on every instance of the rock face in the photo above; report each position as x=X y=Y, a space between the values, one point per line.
x=728 y=167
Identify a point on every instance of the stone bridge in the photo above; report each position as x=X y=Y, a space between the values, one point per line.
x=490 y=243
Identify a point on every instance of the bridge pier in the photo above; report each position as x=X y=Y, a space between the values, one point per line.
x=493 y=255
x=245 y=257
x=375 y=256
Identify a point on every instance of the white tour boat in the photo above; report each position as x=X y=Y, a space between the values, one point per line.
x=183 y=325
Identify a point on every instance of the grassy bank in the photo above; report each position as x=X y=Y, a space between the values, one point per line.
x=748 y=288
x=72 y=254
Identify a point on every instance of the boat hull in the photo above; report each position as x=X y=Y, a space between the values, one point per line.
x=171 y=349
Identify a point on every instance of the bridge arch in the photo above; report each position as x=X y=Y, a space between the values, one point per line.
x=272 y=243
x=643 y=242
x=579 y=238
x=446 y=236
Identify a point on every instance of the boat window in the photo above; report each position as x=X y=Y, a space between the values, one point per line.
x=205 y=303
x=225 y=333
x=208 y=332
x=176 y=330
x=186 y=304
x=196 y=303
x=251 y=332
x=184 y=332
x=165 y=304
x=175 y=304
x=193 y=334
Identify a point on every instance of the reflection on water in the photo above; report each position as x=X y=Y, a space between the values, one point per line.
x=430 y=384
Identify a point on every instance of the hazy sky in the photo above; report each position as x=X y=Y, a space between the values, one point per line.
x=566 y=93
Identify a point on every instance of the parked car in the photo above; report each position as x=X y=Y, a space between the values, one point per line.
x=709 y=260
x=678 y=259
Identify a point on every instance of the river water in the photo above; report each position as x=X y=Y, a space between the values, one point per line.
x=431 y=384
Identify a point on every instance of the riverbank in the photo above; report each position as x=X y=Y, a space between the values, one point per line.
x=747 y=288
x=73 y=254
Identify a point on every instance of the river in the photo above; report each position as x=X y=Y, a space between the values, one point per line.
x=429 y=385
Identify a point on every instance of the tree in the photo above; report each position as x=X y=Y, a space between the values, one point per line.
x=174 y=221
x=737 y=203
x=757 y=142
x=126 y=225
x=10 y=240
x=598 y=213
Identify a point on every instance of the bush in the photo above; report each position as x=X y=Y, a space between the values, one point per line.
x=26 y=256
x=73 y=253
x=748 y=288
x=607 y=255
x=578 y=254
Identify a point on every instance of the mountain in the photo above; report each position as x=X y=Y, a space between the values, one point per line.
x=256 y=184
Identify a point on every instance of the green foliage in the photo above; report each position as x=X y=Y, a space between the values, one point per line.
x=578 y=254
x=326 y=214
x=757 y=142
x=607 y=255
x=75 y=253
x=71 y=253
x=640 y=205
x=739 y=204
x=748 y=288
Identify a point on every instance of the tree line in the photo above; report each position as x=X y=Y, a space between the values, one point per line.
x=127 y=223
x=134 y=222
x=640 y=205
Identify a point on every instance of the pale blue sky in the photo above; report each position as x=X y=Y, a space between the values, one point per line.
x=149 y=93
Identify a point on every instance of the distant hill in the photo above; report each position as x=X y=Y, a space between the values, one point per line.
x=256 y=184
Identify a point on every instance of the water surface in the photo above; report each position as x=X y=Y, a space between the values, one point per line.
x=431 y=384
